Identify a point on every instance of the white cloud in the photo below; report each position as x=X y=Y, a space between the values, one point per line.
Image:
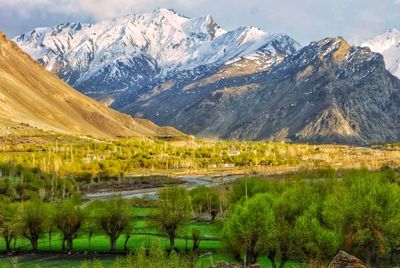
x=98 y=9
x=310 y=20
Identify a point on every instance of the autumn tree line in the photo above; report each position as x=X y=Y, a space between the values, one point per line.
x=89 y=161
x=118 y=157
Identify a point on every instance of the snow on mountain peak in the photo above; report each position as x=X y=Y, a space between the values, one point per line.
x=131 y=50
x=387 y=44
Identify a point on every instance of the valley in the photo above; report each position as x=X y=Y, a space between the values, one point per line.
x=93 y=172
x=159 y=140
x=139 y=169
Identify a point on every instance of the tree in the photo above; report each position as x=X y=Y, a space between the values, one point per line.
x=391 y=227
x=90 y=225
x=288 y=206
x=205 y=199
x=249 y=229
x=113 y=218
x=8 y=223
x=68 y=218
x=364 y=210
x=128 y=232
x=316 y=242
x=173 y=212
x=392 y=231
x=33 y=221
x=247 y=187
x=196 y=237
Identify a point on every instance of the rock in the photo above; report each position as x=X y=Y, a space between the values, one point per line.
x=345 y=260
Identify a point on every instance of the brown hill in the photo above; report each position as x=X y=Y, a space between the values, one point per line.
x=33 y=98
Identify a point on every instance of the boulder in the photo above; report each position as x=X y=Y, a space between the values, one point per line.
x=345 y=260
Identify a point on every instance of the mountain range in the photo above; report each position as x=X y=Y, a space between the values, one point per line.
x=33 y=99
x=243 y=84
x=127 y=54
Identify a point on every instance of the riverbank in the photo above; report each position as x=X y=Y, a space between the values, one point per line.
x=187 y=182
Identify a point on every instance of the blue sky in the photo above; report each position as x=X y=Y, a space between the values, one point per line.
x=304 y=20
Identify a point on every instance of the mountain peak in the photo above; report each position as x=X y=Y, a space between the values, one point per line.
x=387 y=44
x=329 y=50
x=212 y=26
x=127 y=53
x=341 y=49
x=169 y=11
x=393 y=31
x=331 y=41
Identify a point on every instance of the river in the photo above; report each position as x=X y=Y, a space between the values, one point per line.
x=188 y=182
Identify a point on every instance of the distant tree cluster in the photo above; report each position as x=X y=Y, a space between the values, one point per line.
x=90 y=161
x=21 y=183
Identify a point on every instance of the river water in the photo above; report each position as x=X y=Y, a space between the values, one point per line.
x=188 y=182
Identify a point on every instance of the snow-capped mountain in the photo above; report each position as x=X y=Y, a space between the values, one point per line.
x=130 y=52
x=241 y=84
x=328 y=92
x=387 y=44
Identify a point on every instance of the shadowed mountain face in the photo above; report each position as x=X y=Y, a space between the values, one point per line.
x=326 y=92
x=33 y=98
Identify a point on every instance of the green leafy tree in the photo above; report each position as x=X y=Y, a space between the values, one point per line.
x=392 y=231
x=316 y=242
x=68 y=218
x=114 y=217
x=196 y=237
x=90 y=225
x=288 y=206
x=249 y=228
x=248 y=187
x=128 y=233
x=8 y=223
x=33 y=219
x=173 y=212
x=205 y=200
x=364 y=210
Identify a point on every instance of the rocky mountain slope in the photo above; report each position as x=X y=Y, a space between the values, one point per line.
x=129 y=53
x=387 y=44
x=242 y=84
x=326 y=92
x=33 y=98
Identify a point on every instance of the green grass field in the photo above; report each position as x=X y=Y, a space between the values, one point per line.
x=100 y=244
x=143 y=234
